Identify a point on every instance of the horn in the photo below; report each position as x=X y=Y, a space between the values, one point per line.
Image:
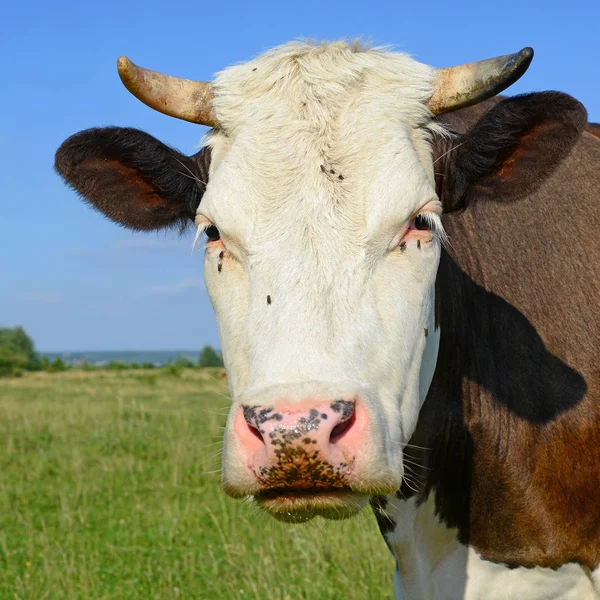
x=179 y=98
x=471 y=83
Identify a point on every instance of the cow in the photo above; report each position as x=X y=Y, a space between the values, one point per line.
x=404 y=271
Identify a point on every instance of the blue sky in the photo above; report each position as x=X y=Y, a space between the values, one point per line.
x=76 y=281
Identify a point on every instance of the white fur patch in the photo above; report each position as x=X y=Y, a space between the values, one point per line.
x=322 y=160
x=595 y=577
x=433 y=565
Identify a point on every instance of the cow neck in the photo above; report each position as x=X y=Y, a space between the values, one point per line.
x=442 y=442
x=486 y=416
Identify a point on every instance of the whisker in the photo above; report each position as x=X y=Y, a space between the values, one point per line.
x=410 y=484
x=215 y=472
x=193 y=175
x=416 y=464
x=448 y=152
x=219 y=381
x=418 y=447
x=189 y=176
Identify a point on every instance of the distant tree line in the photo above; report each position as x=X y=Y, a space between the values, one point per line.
x=17 y=355
x=17 y=352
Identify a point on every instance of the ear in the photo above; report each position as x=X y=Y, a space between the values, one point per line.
x=133 y=178
x=511 y=150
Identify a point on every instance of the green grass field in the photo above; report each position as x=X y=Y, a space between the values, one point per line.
x=110 y=488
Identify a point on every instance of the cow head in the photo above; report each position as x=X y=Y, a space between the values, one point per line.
x=316 y=192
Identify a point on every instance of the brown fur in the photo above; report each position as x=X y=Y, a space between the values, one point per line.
x=511 y=150
x=594 y=129
x=133 y=178
x=513 y=414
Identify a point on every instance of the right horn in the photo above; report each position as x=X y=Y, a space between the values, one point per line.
x=179 y=98
x=471 y=83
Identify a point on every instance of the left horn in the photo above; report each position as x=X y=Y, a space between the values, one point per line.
x=179 y=98
x=471 y=83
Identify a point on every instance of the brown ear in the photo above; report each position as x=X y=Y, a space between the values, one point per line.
x=511 y=149
x=133 y=178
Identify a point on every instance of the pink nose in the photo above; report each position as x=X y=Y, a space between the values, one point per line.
x=312 y=446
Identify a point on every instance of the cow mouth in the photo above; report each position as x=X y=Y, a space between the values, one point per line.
x=297 y=505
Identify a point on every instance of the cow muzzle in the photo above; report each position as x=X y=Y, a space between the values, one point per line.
x=302 y=456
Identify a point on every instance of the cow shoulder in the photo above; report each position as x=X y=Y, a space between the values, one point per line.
x=133 y=178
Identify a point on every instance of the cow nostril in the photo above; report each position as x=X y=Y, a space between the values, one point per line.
x=255 y=432
x=338 y=432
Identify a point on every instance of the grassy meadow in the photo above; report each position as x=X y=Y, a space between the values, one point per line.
x=109 y=488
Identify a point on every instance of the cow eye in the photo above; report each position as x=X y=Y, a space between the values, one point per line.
x=421 y=222
x=212 y=233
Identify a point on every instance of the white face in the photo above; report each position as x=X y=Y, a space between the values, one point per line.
x=323 y=277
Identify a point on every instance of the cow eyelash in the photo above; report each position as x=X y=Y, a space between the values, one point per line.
x=207 y=228
x=422 y=223
x=429 y=221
